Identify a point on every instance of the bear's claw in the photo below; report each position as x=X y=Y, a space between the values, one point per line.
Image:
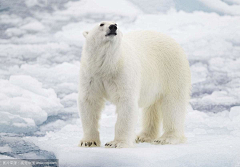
x=88 y=144
x=116 y=144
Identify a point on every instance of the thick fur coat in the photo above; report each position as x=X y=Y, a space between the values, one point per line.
x=141 y=69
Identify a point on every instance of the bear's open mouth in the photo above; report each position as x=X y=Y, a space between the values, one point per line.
x=111 y=33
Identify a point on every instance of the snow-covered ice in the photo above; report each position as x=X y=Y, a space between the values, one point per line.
x=41 y=42
x=213 y=140
x=25 y=104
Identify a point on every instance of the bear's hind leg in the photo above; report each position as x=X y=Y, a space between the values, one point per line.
x=173 y=111
x=151 y=120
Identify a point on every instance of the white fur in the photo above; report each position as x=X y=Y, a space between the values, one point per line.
x=143 y=69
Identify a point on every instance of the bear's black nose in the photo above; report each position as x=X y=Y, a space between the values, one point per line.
x=113 y=27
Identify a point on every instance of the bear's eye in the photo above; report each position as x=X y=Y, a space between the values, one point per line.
x=101 y=24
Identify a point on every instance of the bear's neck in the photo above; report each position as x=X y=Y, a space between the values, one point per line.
x=104 y=59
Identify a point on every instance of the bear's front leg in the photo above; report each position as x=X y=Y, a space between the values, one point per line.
x=90 y=110
x=125 y=125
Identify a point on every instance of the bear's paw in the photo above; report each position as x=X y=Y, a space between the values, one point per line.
x=169 y=140
x=143 y=138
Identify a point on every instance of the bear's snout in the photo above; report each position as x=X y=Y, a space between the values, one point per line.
x=113 y=28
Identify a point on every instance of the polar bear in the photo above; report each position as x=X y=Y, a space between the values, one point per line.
x=141 y=69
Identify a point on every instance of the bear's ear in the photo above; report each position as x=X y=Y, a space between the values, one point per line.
x=85 y=33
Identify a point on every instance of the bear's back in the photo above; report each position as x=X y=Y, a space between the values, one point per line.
x=163 y=61
x=155 y=42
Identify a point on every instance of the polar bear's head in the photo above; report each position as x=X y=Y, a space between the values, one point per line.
x=103 y=32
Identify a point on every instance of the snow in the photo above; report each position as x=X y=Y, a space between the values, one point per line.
x=25 y=104
x=6 y=148
x=234 y=112
x=209 y=144
x=104 y=9
x=199 y=72
x=33 y=26
x=221 y=6
x=41 y=43
x=31 y=3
